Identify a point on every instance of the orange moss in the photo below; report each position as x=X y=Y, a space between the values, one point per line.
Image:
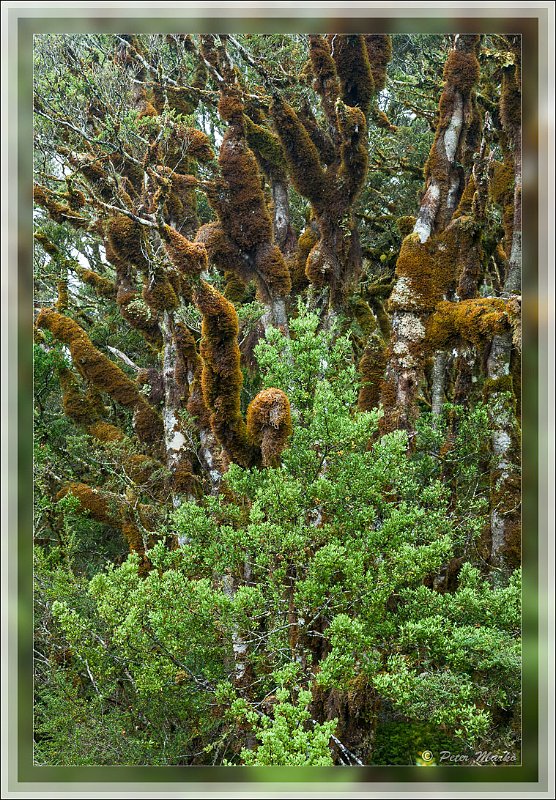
x=461 y=70
x=148 y=424
x=77 y=404
x=105 y=432
x=274 y=272
x=247 y=221
x=318 y=267
x=222 y=378
x=100 y=371
x=102 y=507
x=371 y=369
x=269 y=424
x=103 y=286
x=188 y=257
x=148 y=110
x=379 y=51
x=223 y=253
x=354 y=71
x=63 y=297
x=230 y=106
x=474 y=321
x=159 y=294
x=301 y=154
x=197 y=144
x=48 y=246
x=127 y=240
x=381 y=121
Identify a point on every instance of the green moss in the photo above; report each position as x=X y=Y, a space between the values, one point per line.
x=406 y=224
x=461 y=71
x=267 y=148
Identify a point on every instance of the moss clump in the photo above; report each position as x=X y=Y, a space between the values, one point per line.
x=319 y=266
x=298 y=261
x=379 y=51
x=269 y=424
x=230 y=106
x=510 y=103
x=236 y=288
x=354 y=71
x=501 y=182
x=274 y=274
x=57 y=211
x=371 y=369
x=416 y=287
x=406 y=224
x=63 y=297
x=102 y=286
x=190 y=258
x=127 y=240
x=223 y=253
x=474 y=321
x=159 y=295
x=105 y=432
x=247 y=221
x=301 y=153
x=462 y=70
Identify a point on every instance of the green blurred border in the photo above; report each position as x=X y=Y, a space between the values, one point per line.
x=23 y=22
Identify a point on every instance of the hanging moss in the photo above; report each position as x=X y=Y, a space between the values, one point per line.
x=222 y=378
x=305 y=169
x=354 y=71
x=379 y=52
x=248 y=223
x=324 y=70
x=269 y=424
x=475 y=321
x=127 y=240
x=190 y=258
x=372 y=367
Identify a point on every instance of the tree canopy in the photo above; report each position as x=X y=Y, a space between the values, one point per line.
x=277 y=398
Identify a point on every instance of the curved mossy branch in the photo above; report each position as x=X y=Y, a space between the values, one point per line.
x=61 y=212
x=136 y=521
x=103 y=374
x=262 y=439
x=326 y=82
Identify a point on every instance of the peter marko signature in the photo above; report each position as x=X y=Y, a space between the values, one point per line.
x=479 y=757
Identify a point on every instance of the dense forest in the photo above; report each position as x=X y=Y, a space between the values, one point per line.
x=277 y=398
